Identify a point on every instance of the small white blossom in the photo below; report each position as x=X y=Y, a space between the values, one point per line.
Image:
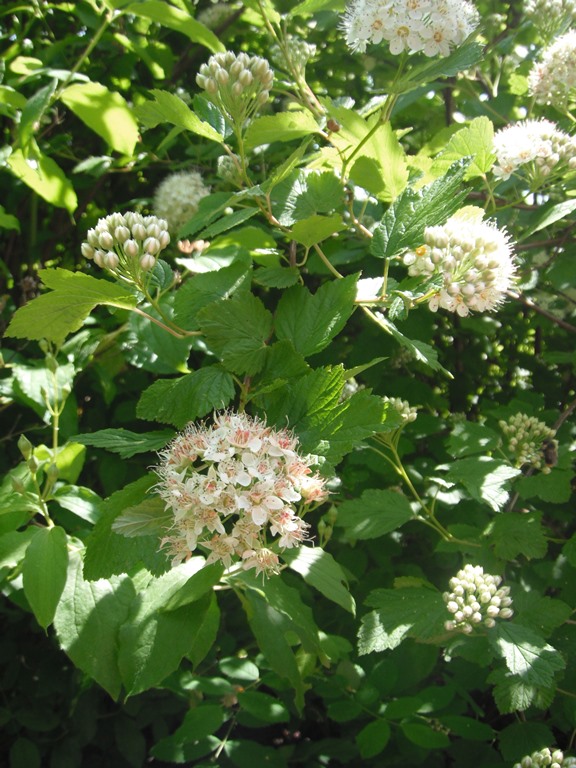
x=536 y=146
x=434 y=27
x=232 y=488
x=473 y=260
x=552 y=80
x=177 y=197
x=476 y=599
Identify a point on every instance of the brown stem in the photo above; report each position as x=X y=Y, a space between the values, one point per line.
x=544 y=312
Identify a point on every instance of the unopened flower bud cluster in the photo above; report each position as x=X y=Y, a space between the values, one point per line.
x=547 y=757
x=432 y=27
x=552 y=79
x=215 y=15
x=548 y=16
x=537 y=146
x=524 y=438
x=238 y=84
x=476 y=599
x=229 y=169
x=126 y=244
x=298 y=51
x=406 y=412
x=177 y=197
x=474 y=261
x=233 y=488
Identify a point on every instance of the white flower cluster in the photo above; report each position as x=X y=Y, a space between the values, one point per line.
x=539 y=145
x=432 y=27
x=177 y=196
x=525 y=436
x=297 y=50
x=406 y=412
x=238 y=84
x=476 y=598
x=232 y=488
x=126 y=244
x=472 y=258
x=550 y=15
x=552 y=80
x=547 y=757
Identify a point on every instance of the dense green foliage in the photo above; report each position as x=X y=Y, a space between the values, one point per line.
x=293 y=292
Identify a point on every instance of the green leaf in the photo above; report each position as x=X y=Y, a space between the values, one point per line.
x=125 y=442
x=82 y=502
x=484 y=478
x=87 y=622
x=33 y=111
x=359 y=139
x=105 y=112
x=193 y=738
x=148 y=518
x=312 y=6
x=375 y=513
x=44 y=572
x=263 y=707
x=373 y=738
x=109 y=553
x=55 y=315
x=414 y=612
x=153 y=641
x=180 y=401
x=238 y=330
x=209 y=287
x=526 y=653
x=200 y=582
x=542 y=614
x=169 y=108
x=304 y=193
x=468 y=438
x=41 y=388
x=463 y=57
x=512 y=694
x=310 y=321
x=7 y=221
x=319 y=569
x=277 y=277
x=404 y=222
x=44 y=177
x=467 y=728
x=283 y=126
x=547 y=215
x=228 y=221
x=205 y=632
x=168 y=15
x=317 y=228
x=425 y=736
x=475 y=141
x=554 y=487
x=269 y=627
x=519 y=534
x=13 y=546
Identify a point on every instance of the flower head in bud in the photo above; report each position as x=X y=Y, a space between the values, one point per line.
x=534 y=146
x=433 y=27
x=525 y=438
x=476 y=599
x=294 y=55
x=552 y=80
x=119 y=242
x=401 y=409
x=550 y=16
x=236 y=490
x=552 y=758
x=470 y=258
x=238 y=84
x=216 y=15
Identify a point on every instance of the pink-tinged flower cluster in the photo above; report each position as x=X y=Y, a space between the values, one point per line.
x=433 y=27
x=235 y=489
x=552 y=80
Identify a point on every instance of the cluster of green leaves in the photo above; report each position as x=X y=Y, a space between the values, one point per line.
x=344 y=657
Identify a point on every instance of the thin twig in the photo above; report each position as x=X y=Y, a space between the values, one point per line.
x=544 y=312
